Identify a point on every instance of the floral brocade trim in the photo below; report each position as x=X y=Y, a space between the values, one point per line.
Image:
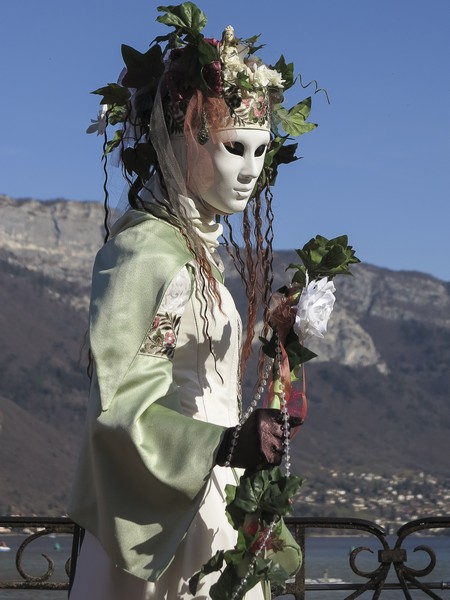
x=161 y=340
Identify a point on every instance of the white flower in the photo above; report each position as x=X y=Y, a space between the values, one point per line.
x=314 y=309
x=230 y=72
x=99 y=124
x=275 y=79
x=261 y=77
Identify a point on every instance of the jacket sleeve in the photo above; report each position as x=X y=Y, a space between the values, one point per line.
x=144 y=465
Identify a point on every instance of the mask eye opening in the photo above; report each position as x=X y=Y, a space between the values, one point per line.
x=260 y=150
x=235 y=148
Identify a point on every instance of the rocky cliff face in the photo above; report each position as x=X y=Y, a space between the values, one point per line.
x=57 y=239
x=378 y=391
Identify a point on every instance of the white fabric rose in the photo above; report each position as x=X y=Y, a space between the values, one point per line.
x=314 y=309
x=261 y=77
x=275 y=79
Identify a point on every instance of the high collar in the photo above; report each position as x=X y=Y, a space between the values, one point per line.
x=203 y=220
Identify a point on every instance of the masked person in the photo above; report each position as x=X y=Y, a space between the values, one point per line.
x=161 y=440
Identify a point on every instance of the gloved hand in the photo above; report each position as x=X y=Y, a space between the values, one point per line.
x=260 y=440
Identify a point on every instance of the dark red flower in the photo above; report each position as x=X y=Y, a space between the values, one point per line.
x=211 y=41
x=212 y=73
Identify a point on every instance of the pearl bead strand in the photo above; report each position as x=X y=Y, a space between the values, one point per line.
x=286 y=443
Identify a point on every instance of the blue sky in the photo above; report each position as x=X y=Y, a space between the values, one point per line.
x=377 y=168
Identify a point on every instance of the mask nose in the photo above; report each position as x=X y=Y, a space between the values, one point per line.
x=251 y=168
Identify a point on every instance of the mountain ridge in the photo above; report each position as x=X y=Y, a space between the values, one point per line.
x=378 y=390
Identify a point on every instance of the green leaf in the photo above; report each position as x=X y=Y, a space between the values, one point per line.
x=116 y=114
x=214 y=564
x=266 y=493
x=229 y=581
x=187 y=18
x=269 y=348
x=113 y=94
x=116 y=141
x=251 y=44
x=276 y=573
x=275 y=146
x=286 y=154
x=207 y=53
x=143 y=70
x=190 y=66
x=300 y=276
x=327 y=258
x=287 y=72
x=139 y=159
x=293 y=120
x=243 y=81
x=297 y=353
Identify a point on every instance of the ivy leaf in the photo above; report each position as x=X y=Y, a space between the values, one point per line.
x=139 y=159
x=275 y=501
x=116 y=141
x=187 y=18
x=266 y=492
x=229 y=580
x=323 y=257
x=207 y=53
x=277 y=154
x=275 y=146
x=287 y=72
x=297 y=353
x=286 y=154
x=300 y=275
x=293 y=120
x=113 y=93
x=269 y=347
x=214 y=564
x=243 y=81
x=276 y=573
x=142 y=69
x=116 y=114
x=251 y=44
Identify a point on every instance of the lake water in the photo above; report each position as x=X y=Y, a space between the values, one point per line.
x=326 y=558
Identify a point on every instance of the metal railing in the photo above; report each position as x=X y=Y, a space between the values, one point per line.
x=391 y=557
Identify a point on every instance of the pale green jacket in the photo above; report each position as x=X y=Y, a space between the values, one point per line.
x=136 y=489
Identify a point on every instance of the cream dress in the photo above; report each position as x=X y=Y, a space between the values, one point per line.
x=210 y=389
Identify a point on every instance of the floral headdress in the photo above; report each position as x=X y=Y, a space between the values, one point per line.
x=202 y=84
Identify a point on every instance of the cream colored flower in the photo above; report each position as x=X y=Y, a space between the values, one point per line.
x=259 y=76
x=231 y=71
x=262 y=77
x=314 y=309
x=275 y=79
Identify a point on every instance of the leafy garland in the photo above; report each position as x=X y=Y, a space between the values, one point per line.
x=260 y=500
x=256 y=506
x=131 y=100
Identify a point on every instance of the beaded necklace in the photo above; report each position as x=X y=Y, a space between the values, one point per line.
x=273 y=365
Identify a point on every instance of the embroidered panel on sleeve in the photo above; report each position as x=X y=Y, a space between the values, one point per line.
x=161 y=340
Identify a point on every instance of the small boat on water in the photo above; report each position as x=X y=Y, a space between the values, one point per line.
x=4 y=547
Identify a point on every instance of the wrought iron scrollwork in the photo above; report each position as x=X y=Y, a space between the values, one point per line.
x=19 y=555
x=408 y=576
x=395 y=556
x=392 y=558
x=43 y=527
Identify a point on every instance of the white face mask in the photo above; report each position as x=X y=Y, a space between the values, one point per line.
x=237 y=158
